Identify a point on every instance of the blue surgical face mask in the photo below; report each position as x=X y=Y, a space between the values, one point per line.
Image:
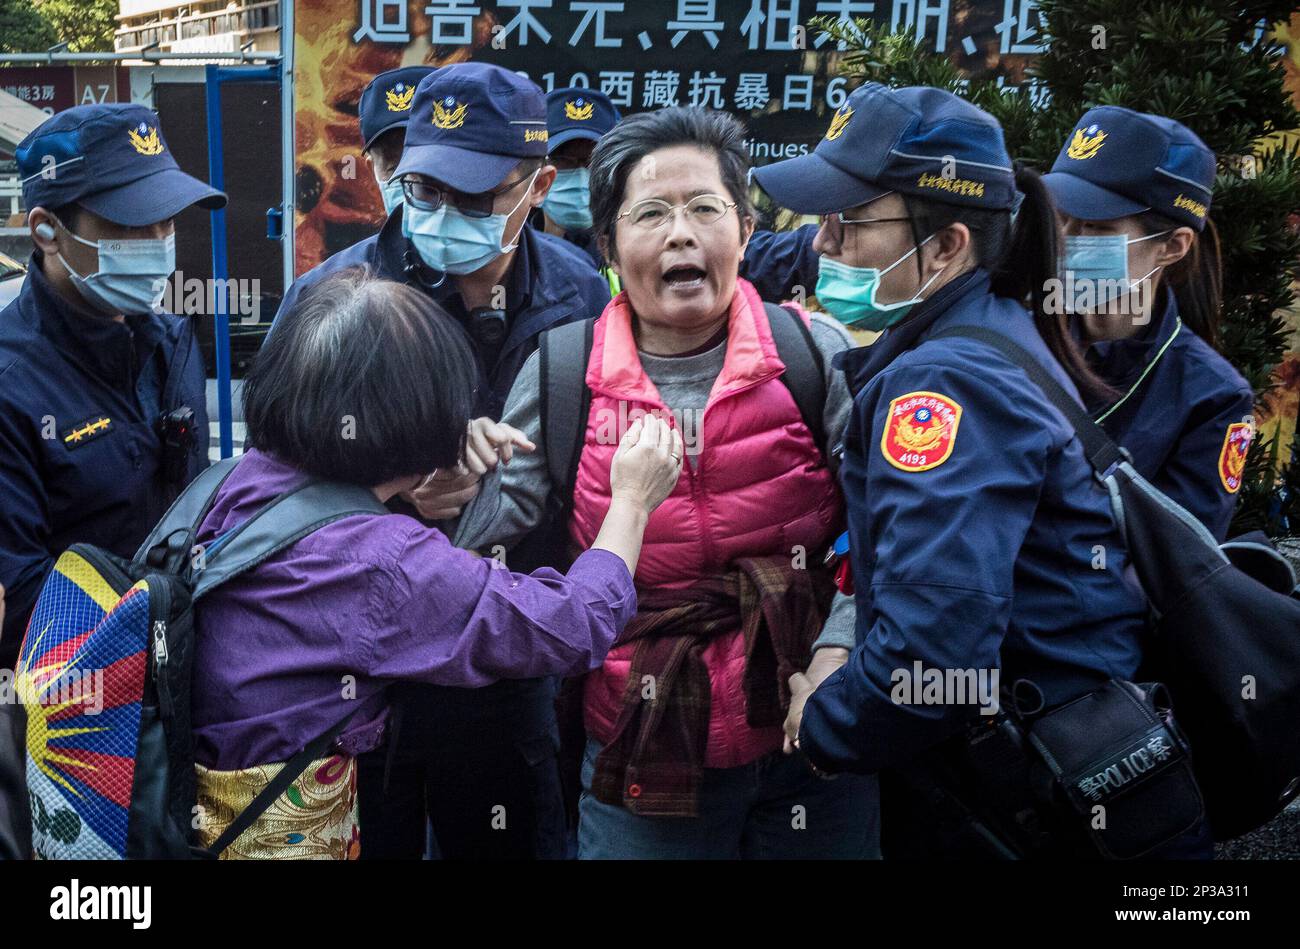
x=849 y=293
x=1100 y=261
x=450 y=242
x=392 y=194
x=568 y=203
x=132 y=274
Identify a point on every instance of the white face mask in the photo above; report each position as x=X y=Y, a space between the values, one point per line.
x=391 y=191
x=450 y=242
x=132 y=275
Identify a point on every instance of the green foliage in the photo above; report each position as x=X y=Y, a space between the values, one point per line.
x=86 y=25
x=23 y=29
x=1205 y=63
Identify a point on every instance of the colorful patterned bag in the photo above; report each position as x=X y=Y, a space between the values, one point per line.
x=104 y=675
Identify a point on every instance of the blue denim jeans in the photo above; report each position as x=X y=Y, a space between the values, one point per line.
x=774 y=808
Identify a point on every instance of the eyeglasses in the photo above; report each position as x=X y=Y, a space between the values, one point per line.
x=427 y=195
x=837 y=224
x=839 y=216
x=705 y=209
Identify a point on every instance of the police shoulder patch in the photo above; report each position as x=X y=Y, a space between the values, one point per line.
x=920 y=430
x=1232 y=457
x=86 y=430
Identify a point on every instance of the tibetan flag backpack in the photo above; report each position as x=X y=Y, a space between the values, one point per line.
x=104 y=677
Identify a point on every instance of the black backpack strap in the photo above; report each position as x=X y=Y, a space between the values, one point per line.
x=1103 y=454
x=185 y=514
x=283 y=522
x=805 y=370
x=565 y=400
x=292 y=769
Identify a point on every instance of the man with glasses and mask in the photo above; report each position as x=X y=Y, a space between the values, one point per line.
x=102 y=405
x=472 y=169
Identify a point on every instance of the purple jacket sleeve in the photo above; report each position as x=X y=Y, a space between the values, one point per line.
x=452 y=618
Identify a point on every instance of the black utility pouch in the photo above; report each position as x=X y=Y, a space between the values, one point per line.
x=1116 y=759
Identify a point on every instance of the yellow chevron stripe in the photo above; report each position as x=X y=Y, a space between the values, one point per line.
x=87 y=578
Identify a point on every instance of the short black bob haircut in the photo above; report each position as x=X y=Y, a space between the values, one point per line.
x=363 y=381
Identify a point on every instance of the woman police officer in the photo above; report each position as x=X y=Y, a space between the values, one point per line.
x=1132 y=193
x=974 y=518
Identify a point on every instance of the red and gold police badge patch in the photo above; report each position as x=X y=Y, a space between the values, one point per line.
x=920 y=430
x=1232 y=459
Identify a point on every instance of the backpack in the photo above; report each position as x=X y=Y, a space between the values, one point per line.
x=564 y=353
x=104 y=676
x=1225 y=628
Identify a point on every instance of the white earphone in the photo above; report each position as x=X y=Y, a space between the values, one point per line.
x=44 y=230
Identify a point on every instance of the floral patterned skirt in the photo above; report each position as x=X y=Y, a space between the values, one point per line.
x=314 y=819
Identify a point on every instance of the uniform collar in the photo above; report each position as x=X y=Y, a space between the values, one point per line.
x=1121 y=361
x=862 y=364
x=104 y=347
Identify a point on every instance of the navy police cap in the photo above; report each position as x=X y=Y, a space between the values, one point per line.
x=1118 y=162
x=578 y=113
x=471 y=124
x=386 y=101
x=111 y=159
x=915 y=140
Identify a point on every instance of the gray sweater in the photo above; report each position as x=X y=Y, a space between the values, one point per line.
x=512 y=499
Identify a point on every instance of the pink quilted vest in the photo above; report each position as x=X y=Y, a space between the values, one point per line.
x=759 y=487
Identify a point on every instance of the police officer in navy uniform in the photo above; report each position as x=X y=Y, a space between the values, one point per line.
x=1133 y=195
x=383 y=111
x=973 y=513
x=103 y=414
x=576 y=118
x=472 y=169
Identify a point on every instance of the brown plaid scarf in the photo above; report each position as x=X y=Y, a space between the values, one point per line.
x=654 y=762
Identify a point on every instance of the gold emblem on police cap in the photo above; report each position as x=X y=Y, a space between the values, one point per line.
x=399 y=97
x=1085 y=143
x=145 y=139
x=838 y=123
x=579 y=111
x=447 y=114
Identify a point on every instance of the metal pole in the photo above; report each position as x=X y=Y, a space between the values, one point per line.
x=220 y=321
x=214 y=76
x=150 y=57
x=288 y=183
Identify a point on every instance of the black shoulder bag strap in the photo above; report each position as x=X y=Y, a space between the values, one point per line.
x=805 y=370
x=292 y=769
x=565 y=400
x=1103 y=454
x=168 y=544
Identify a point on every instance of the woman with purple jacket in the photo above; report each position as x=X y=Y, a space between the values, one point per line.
x=368 y=382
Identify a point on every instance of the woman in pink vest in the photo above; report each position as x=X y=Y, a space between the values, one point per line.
x=684 y=754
